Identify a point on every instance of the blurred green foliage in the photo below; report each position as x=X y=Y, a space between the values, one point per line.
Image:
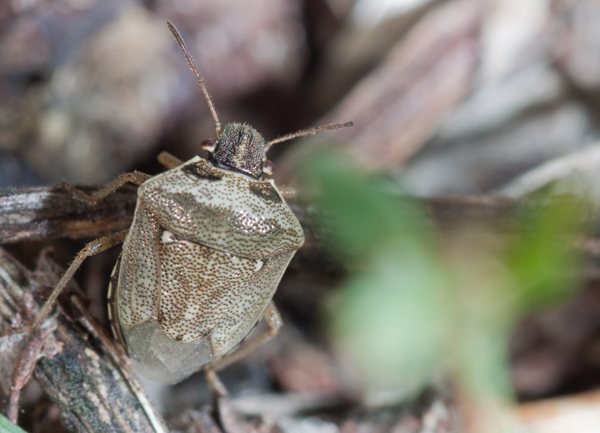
x=412 y=308
x=541 y=258
x=8 y=427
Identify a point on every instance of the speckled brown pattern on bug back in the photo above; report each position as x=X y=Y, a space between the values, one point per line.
x=212 y=244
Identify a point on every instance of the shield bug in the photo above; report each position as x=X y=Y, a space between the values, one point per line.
x=208 y=245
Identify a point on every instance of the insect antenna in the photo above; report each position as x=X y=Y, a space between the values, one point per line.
x=190 y=61
x=304 y=132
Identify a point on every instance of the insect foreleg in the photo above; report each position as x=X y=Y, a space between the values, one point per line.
x=134 y=177
x=91 y=249
x=168 y=160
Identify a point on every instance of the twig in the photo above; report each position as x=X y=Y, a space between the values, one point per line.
x=53 y=212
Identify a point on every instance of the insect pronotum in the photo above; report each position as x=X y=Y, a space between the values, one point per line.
x=209 y=242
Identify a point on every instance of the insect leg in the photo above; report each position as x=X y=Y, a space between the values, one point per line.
x=23 y=370
x=215 y=383
x=274 y=321
x=91 y=249
x=134 y=177
x=168 y=160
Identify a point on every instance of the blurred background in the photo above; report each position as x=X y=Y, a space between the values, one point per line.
x=444 y=271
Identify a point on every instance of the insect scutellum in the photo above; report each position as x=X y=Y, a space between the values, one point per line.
x=240 y=147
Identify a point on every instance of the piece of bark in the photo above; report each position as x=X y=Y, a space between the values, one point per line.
x=77 y=367
x=53 y=212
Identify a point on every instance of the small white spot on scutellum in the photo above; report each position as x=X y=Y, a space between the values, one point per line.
x=167 y=236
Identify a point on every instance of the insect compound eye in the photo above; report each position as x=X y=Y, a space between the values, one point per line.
x=267 y=168
x=209 y=145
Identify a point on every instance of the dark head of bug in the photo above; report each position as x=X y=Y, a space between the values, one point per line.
x=241 y=148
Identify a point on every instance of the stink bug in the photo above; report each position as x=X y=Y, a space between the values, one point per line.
x=209 y=242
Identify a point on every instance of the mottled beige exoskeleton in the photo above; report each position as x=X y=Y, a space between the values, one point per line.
x=200 y=264
x=208 y=245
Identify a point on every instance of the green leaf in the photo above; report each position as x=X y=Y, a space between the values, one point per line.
x=6 y=426
x=542 y=259
x=393 y=319
x=359 y=215
x=409 y=309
